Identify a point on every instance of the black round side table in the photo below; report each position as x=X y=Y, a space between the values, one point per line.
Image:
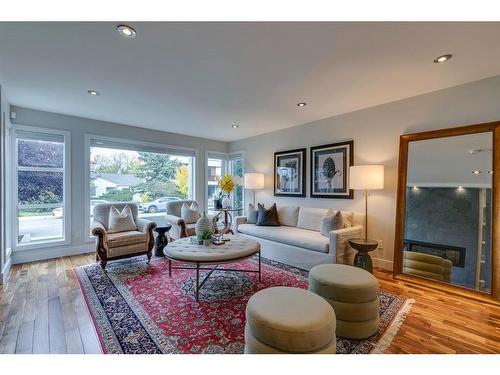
x=363 y=247
x=161 y=239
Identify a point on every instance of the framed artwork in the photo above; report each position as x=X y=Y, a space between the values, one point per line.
x=289 y=173
x=330 y=170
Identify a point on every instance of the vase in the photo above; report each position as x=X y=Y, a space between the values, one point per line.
x=203 y=223
x=226 y=202
x=218 y=204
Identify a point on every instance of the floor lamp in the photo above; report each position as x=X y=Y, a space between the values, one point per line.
x=253 y=181
x=366 y=177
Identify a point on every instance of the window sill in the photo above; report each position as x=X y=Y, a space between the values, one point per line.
x=40 y=245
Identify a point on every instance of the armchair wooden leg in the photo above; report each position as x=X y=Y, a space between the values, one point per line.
x=103 y=263
x=149 y=255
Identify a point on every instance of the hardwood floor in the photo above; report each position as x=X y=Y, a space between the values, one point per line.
x=42 y=310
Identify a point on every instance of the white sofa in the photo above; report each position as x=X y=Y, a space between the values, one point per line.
x=298 y=241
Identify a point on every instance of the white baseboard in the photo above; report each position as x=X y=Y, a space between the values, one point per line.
x=5 y=271
x=383 y=263
x=32 y=255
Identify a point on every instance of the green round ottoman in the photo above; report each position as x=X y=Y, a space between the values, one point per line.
x=353 y=294
x=289 y=320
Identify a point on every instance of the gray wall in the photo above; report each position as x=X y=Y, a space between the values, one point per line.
x=446 y=216
x=375 y=132
x=79 y=127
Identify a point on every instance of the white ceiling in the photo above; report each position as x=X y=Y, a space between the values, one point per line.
x=200 y=78
x=448 y=162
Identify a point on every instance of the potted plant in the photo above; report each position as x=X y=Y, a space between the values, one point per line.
x=205 y=237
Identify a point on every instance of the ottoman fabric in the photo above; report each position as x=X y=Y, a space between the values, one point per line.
x=343 y=283
x=353 y=294
x=254 y=346
x=291 y=319
x=355 y=312
x=357 y=330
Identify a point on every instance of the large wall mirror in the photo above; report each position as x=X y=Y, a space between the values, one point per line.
x=447 y=215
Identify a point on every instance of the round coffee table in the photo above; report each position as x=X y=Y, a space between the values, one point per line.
x=363 y=247
x=185 y=251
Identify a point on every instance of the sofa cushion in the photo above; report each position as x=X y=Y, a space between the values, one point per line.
x=191 y=229
x=267 y=217
x=293 y=236
x=252 y=214
x=310 y=218
x=121 y=221
x=348 y=219
x=190 y=213
x=332 y=221
x=126 y=238
x=288 y=216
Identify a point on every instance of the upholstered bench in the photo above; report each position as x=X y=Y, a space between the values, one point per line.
x=289 y=320
x=353 y=294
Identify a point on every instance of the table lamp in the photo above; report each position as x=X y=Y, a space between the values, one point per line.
x=366 y=177
x=253 y=181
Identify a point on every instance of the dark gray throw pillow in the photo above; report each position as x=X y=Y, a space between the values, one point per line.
x=252 y=214
x=268 y=218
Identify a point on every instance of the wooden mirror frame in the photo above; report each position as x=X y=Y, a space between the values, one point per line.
x=494 y=128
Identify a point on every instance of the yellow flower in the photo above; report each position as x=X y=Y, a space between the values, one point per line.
x=226 y=184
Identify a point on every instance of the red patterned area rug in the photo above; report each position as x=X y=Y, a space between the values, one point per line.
x=139 y=309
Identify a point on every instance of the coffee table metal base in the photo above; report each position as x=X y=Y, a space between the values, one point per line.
x=199 y=267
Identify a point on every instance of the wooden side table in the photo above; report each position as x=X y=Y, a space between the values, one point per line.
x=363 y=247
x=161 y=239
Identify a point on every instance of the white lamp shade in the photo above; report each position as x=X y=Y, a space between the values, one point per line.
x=366 y=177
x=254 y=181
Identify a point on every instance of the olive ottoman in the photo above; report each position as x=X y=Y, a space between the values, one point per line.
x=289 y=320
x=353 y=294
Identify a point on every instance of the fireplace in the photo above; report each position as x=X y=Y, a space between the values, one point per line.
x=453 y=253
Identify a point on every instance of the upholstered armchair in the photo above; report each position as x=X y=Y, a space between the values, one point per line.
x=180 y=228
x=110 y=246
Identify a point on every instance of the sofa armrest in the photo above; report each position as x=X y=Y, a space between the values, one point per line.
x=339 y=247
x=145 y=226
x=238 y=220
x=98 y=230
x=178 y=226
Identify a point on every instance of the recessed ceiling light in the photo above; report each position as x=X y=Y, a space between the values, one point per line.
x=93 y=92
x=301 y=104
x=476 y=172
x=126 y=31
x=443 y=58
x=490 y=172
x=235 y=126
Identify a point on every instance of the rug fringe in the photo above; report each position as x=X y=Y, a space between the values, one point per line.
x=386 y=340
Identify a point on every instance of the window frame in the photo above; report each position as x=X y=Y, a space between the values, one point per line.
x=226 y=158
x=88 y=138
x=66 y=205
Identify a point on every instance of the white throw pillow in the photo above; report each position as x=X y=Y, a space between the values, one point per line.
x=330 y=222
x=288 y=216
x=310 y=218
x=189 y=214
x=121 y=221
x=348 y=219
